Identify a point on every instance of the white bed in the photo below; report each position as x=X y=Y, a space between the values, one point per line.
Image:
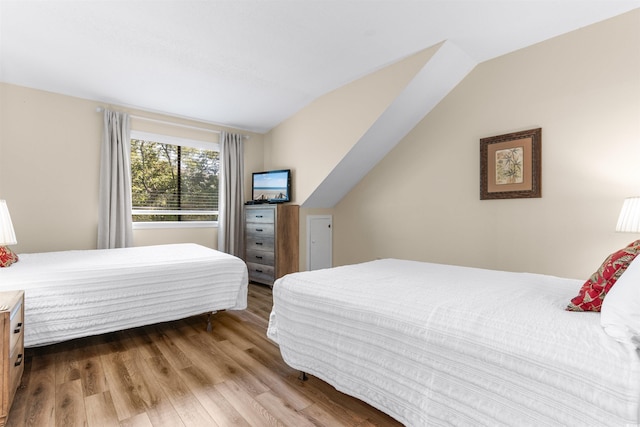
x=72 y=294
x=435 y=345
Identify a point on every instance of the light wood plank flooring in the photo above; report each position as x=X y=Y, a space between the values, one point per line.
x=177 y=374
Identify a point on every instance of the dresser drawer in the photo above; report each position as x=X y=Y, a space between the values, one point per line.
x=271 y=241
x=260 y=229
x=260 y=243
x=261 y=273
x=261 y=257
x=266 y=215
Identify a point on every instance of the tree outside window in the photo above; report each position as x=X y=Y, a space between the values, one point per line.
x=171 y=183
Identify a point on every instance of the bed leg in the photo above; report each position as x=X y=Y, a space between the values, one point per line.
x=303 y=376
x=209 y=326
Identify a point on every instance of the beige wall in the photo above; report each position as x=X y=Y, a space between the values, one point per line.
x=422 y=201
x=49 y=169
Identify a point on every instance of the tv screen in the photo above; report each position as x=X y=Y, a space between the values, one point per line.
x=271 y=186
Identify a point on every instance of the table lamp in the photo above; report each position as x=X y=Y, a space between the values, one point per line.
x=629 y=219
x=7 y=237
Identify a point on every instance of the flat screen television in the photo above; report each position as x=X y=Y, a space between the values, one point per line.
x=271 y=186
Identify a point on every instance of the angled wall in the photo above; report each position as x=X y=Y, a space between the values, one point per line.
x=437 y=77
x=316 y=141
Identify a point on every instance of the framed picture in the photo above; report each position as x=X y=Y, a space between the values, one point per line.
x=510 y=165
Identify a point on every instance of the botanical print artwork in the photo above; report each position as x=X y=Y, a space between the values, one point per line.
x=509 y=166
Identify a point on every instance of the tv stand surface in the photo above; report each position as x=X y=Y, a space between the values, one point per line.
x=264 y=202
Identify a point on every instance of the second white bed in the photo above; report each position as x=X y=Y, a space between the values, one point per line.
x=434 y=345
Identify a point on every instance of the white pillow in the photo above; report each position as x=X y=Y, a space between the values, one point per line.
x=620 y=312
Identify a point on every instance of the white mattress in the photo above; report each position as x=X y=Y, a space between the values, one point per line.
x=434 y=345
x=73 y=294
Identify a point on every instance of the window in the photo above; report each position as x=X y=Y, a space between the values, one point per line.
x=174 y=182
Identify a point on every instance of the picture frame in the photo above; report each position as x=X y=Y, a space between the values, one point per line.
x=510 y=165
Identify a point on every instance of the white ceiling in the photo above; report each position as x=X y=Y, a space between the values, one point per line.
x=250 y=64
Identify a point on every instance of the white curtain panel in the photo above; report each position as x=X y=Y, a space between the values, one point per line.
x=231 y=195
x=115 y=229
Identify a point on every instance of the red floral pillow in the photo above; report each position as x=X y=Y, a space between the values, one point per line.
x=7 y=257
x=594 y=290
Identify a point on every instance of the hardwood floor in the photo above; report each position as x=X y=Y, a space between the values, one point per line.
x=177 y=374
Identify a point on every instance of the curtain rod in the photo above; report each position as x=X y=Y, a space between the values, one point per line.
x=133 y=116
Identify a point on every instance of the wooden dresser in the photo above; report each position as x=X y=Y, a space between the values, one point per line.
x=271 y=241
x=12 y=347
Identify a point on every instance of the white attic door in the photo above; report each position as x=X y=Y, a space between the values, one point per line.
x=319 y=241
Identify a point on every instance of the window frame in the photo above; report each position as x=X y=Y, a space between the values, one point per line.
x=172 y=140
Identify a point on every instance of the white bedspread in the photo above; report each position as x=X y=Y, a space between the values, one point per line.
x=434 y=345
x=73 y=294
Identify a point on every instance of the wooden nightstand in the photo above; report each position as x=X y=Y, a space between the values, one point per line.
x=11 y=348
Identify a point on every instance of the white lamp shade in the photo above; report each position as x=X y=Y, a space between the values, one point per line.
x=7 y=235
x=629 y=219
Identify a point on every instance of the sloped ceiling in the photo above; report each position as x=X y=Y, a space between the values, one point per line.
x=250 y=64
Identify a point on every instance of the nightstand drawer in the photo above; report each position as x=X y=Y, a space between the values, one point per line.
x=16 y=368
x=261 y=257
x=17 y=324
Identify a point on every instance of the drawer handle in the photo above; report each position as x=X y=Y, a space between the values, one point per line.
x=259 y=243
x=18 y=360
x=259 y=216
x=258 y=270
x=259 y=229
x=17 y=330
x=259 y=257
